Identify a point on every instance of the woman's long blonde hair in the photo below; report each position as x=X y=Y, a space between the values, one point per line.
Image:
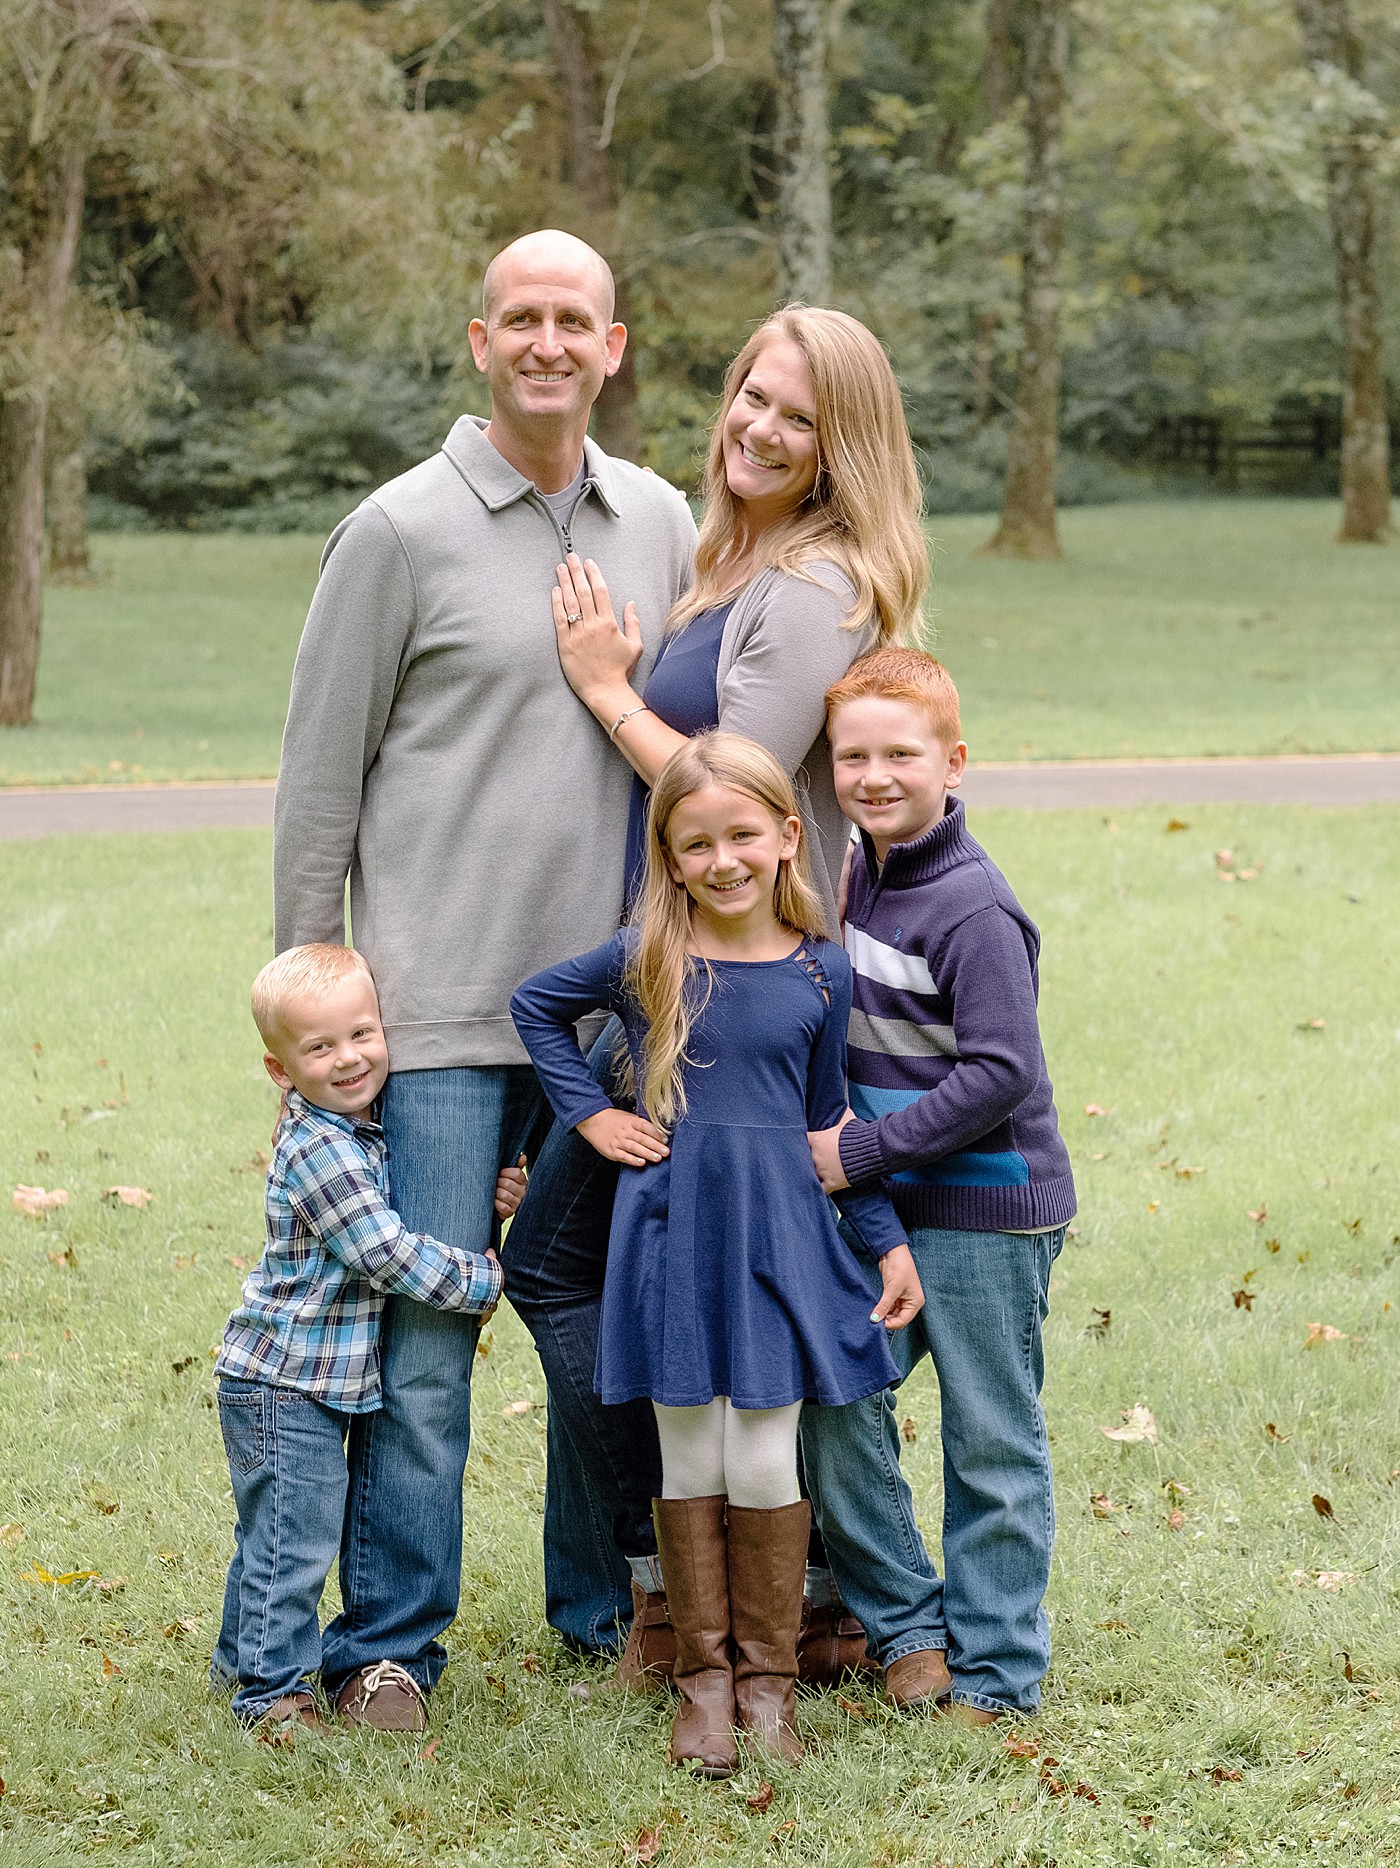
x=670 y=984
x=864 y=511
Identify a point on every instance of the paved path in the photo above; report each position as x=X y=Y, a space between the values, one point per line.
x=1362 y=778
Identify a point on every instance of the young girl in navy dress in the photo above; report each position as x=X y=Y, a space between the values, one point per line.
x=730 y=1296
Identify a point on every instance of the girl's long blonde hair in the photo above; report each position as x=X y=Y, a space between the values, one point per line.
x=671 y=985
x=864 y=511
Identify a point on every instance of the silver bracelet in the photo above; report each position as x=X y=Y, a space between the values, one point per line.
x=622 y=720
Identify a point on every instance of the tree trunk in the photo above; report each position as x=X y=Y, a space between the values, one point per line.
x=47 y=279
x=999 y=83
x=801 y=143
x=21 y=550
x=1027 y=528
x=1328 y=39
x=65 y=507
x=615 y=422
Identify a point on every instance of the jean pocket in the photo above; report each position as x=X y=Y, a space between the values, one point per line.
x=243 y=1421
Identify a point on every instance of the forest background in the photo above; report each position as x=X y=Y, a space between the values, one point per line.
x=279 y=211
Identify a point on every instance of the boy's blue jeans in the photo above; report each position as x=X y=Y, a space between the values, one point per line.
x=286 y=1458
x=986 y=1295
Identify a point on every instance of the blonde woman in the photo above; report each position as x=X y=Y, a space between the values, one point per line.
x=730 y=1297
x=811 y=552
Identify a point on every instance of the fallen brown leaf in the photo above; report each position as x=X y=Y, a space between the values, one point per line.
x=1323 y=1333
x=1323 y=1507
x=239 y=1264
x=1176 y=1520
x=127 y=1196
x=648 y=1843
x=1139 y=1425
x=1313 y=1024
x=1175 y=823
x=1102 y=1505
x=1328 y=1581
x=1100 y=1321
x=37 y=1201
x=1258 y=1214
x=761 y=1798
x=1274 y=1435
x=1096 y=1109
x=66 y=1257
x=11 y=1534
x=1018 y=1747
x=516 y=1407
x=183 y=1628
x=1273 y=1245
x=1348 y=1671
x=529 y=1663
x=1220 y=1775
x=785 y=1829
x=429 y=1751
x=109 y=1667
x=1244 y=1300
x=909 y=1430
x=849 y=1706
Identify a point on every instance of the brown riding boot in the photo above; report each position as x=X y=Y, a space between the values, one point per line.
x=767 y=1571
x=649 y=1658
x=690 y=1539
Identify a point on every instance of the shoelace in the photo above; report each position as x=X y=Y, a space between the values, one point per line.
x=386 y=1673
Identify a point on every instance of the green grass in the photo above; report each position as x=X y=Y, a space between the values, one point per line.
x=174 y=663
x=1219 y=1711
x=1169 y=629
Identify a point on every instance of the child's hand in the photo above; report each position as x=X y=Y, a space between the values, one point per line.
x=618 y=1135
x=510 y=1190
x=826 y=1156
x=486 y=1315
x=903 y=1297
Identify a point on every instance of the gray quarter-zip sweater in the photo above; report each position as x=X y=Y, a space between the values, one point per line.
x=435 y=753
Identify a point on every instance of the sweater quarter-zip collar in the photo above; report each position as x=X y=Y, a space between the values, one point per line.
x=938 y=850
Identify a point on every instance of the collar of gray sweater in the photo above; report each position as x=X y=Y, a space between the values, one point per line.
x=497 y=484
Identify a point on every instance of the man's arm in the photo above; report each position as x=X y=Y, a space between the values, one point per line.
x=347 y=668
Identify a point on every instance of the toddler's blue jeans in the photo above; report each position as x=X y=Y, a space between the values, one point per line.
x=286 y=1457
x=986 y=1296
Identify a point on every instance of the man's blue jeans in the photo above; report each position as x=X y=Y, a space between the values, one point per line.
x=449 y=1133
x=286 y=1458
x=986 y=1296
x=604 y=1462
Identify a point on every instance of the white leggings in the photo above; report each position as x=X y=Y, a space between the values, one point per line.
x=748 y=1453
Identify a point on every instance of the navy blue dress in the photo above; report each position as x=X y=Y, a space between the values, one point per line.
x=682 y=690
x=726 y=1273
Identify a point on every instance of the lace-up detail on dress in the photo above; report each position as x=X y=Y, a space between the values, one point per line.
x=811 y=965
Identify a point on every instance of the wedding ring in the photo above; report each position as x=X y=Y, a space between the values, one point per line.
x=574 y=616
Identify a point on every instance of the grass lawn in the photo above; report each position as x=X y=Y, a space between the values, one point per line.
x=1226 y=1681
x=1168 y=629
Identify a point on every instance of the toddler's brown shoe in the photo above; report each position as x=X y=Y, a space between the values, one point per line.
x=293 y=1709
x=384 y=1697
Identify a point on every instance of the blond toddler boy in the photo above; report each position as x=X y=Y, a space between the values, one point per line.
x=301 y=1353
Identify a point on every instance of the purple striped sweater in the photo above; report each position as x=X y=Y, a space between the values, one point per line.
x=947 y=1076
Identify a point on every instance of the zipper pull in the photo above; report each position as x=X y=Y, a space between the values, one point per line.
x=568 y=539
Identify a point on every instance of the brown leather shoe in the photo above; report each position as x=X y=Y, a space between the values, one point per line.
x=830 y=1646
x=767 y=1570
x=293 y=1709
x=918 y=1679
x=649 y=1658
x=385 y=1698
x=690 y=1538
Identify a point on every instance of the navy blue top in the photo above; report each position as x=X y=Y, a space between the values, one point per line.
x=683 y=691
x=726 y=1274
x=948 y=1080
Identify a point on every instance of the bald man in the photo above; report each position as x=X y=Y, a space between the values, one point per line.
x=436 y=757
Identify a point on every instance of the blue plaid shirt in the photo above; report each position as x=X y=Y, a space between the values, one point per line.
x=311 y=1309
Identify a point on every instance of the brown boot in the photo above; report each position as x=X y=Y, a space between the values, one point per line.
x=918 y=1679
x=830 y=1646
x=767 y=1570
x=649 y=1658
x=690 y=1539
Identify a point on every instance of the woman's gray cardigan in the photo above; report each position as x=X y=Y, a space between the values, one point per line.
x=783 y=645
